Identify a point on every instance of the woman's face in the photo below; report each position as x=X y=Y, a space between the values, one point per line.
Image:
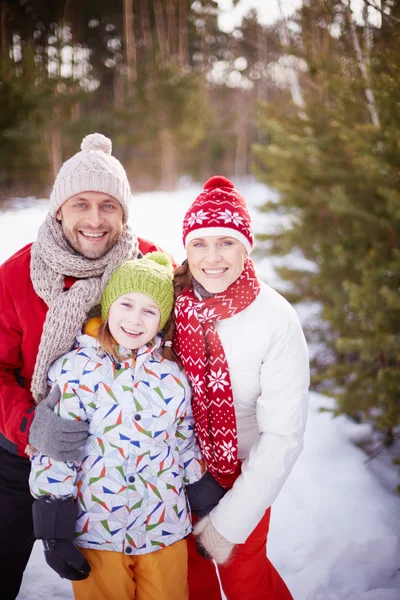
x=216 y=262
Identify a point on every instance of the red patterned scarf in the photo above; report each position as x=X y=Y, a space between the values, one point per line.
x=199 y=347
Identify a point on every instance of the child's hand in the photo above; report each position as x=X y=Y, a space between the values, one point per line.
x=54 y=522
x=216 y=546
x=204 y=495
x=66 y=560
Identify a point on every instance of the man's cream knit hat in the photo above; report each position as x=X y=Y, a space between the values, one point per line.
x=92 y=170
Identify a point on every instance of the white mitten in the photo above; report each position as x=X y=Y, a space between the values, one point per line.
x=214 y=544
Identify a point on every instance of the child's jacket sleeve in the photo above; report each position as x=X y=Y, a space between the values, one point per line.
x=191 y=462
x=54 y=477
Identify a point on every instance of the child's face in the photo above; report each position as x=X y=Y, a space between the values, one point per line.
x=133 y=320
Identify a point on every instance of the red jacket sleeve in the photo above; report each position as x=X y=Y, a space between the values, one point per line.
x=146 y=246
x=16 y=404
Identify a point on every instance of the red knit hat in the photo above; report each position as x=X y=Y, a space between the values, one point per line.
x=218 y=210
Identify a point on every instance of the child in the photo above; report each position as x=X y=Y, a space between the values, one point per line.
x=124 y=506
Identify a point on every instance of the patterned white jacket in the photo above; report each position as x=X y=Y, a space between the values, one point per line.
x=140 y=452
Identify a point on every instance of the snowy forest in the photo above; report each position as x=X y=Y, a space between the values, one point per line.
x=308 y=105
x=302 y=112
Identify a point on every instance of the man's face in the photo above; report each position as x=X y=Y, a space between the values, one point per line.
x=91 y=222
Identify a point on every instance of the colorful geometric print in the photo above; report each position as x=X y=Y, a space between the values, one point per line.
x=140 y=452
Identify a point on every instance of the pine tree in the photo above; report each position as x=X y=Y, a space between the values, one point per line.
x=336 y=167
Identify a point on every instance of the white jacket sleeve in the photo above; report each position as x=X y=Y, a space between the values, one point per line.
x=281 y=416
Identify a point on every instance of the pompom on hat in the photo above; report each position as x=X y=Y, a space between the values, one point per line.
x=151 y=275
x=221 y=211
x=93 y=169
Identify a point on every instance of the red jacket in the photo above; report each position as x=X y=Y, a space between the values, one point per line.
x=22 y=316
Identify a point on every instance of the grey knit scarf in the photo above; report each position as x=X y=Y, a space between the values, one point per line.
x=52 y=258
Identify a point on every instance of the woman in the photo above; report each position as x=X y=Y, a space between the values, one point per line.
x=244 y=351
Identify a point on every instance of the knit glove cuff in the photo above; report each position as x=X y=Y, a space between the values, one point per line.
x=216 y=546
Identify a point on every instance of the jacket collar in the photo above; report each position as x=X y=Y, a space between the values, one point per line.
x=87 y=339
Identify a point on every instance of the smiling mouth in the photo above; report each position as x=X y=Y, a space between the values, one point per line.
x=93 y=235
x=215 y=271
x=131 y=332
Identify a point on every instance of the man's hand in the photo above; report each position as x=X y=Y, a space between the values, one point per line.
x=59 y=438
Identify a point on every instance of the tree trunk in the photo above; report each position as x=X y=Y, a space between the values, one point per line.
x=368 y=39
x=293 y=75
x=76 y=112
x=56 y=153
x=147 y=33
x=242 y=134
x=118 y=90
x=169 y=175
x=362 y=65
x=171 y=28
x=3 y=29
x=262 y=56
x=129 y=38
x=160 y=27
x=183 y=34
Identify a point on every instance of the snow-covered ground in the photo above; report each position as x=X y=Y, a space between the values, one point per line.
x=335 y=530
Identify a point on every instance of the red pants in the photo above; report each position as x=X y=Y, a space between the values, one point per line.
x=249 y=575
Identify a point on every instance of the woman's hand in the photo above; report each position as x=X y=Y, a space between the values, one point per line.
x=216 y=546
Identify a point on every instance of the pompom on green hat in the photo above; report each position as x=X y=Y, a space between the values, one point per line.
x=151 y=275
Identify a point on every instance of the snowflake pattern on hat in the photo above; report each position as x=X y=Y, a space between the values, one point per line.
x=218 y=210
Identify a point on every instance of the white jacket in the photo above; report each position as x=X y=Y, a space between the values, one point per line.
x=268 y=364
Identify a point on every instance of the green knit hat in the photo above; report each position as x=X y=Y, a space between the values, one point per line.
x=151 y=275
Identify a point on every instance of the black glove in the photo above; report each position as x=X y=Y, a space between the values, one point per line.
x=66 y=560
x=204 y=495
x=61 y=439
x=54 y=522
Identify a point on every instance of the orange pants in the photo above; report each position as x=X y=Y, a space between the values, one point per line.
x=160 y=575
x=248 y=575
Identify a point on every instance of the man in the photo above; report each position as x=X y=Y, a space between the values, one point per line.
x=47 y=290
